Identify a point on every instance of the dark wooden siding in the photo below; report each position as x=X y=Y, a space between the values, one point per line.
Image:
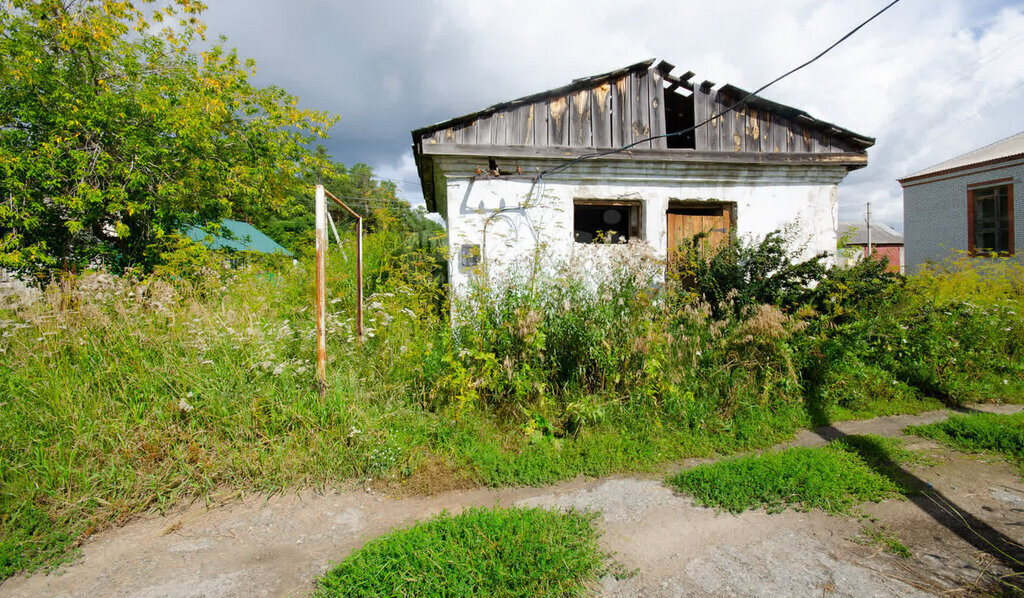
x=755 y=128
x=628 y=106
x=610 y=114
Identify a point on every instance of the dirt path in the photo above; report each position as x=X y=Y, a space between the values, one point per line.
x=278 y=546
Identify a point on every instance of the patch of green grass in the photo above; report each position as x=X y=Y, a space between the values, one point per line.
x=832 y=478
x=1003 y=434
x=878 y=534
x=31 y=539
x=481 y=552
x=885 y=456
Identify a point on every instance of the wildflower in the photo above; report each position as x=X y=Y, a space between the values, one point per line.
x=183 y=405
x=354 y=431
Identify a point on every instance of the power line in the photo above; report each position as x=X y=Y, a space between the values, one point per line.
x=583 y=157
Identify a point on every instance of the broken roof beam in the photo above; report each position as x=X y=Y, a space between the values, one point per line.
x=681 y=81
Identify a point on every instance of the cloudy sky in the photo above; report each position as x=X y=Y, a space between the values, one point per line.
x=929 y=79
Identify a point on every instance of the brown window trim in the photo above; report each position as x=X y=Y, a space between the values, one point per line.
x=971 y=249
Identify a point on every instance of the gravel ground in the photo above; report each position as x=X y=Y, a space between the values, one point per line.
x=257 y=546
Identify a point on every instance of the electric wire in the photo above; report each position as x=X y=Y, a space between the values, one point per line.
x=739 y=103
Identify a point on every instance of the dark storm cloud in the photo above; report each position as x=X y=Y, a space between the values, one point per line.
x=928 y=80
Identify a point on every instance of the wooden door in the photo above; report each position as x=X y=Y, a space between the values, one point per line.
x=685 y=222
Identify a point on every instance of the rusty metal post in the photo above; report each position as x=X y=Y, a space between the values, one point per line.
x=321 y=290
x=359 y=277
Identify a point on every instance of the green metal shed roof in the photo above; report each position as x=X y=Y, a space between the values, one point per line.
x=244 y=237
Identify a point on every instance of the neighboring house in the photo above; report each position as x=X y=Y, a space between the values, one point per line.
x=885 y=242
x=751 y=171
x=965 y=204
x=236 y=236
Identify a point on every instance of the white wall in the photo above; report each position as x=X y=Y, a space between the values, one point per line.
x=766 y=197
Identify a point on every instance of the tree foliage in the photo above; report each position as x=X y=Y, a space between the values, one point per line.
x=376 y=200
x=114 y=132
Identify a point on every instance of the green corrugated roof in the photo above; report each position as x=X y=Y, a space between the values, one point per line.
x=244 y=237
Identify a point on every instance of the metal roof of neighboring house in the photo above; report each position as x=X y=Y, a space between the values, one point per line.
x=241 y=236
x=1011 y=147
x=881 y=234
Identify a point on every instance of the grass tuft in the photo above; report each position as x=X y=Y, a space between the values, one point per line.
x=481 y=552
x=991 y=432
x=849 y=471
x=878 y=534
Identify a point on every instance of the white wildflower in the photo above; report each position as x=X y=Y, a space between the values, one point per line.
x=183 y=405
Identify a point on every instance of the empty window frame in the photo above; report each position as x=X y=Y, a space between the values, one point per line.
x=990 y=218
x=596 y=221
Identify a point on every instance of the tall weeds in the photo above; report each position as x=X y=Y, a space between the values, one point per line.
x=128 y=393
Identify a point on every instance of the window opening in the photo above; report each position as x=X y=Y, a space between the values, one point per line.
x=679 y=116
x=606 y=221
x=991 y=220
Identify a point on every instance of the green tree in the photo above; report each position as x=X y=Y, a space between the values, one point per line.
x=114 y=132
x=375 y=199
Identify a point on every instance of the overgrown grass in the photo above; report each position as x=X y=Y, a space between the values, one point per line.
x=978 y=432
x=121 y=395
x=481 y=552
x=801 y=478
x=835 y=478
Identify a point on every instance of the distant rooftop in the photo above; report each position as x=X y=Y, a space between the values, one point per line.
x=239 y=236
x=1011 y=147
x=881 y=234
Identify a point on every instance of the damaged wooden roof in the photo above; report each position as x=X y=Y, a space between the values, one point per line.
x=631 y=104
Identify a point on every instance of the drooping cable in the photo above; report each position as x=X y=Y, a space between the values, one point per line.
x=739 y=103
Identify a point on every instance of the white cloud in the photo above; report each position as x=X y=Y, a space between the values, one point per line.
x=929 y=80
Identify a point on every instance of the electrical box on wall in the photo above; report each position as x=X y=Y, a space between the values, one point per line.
x=469 y=256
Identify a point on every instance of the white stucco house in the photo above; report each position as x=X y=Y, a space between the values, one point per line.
x=505 y=181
